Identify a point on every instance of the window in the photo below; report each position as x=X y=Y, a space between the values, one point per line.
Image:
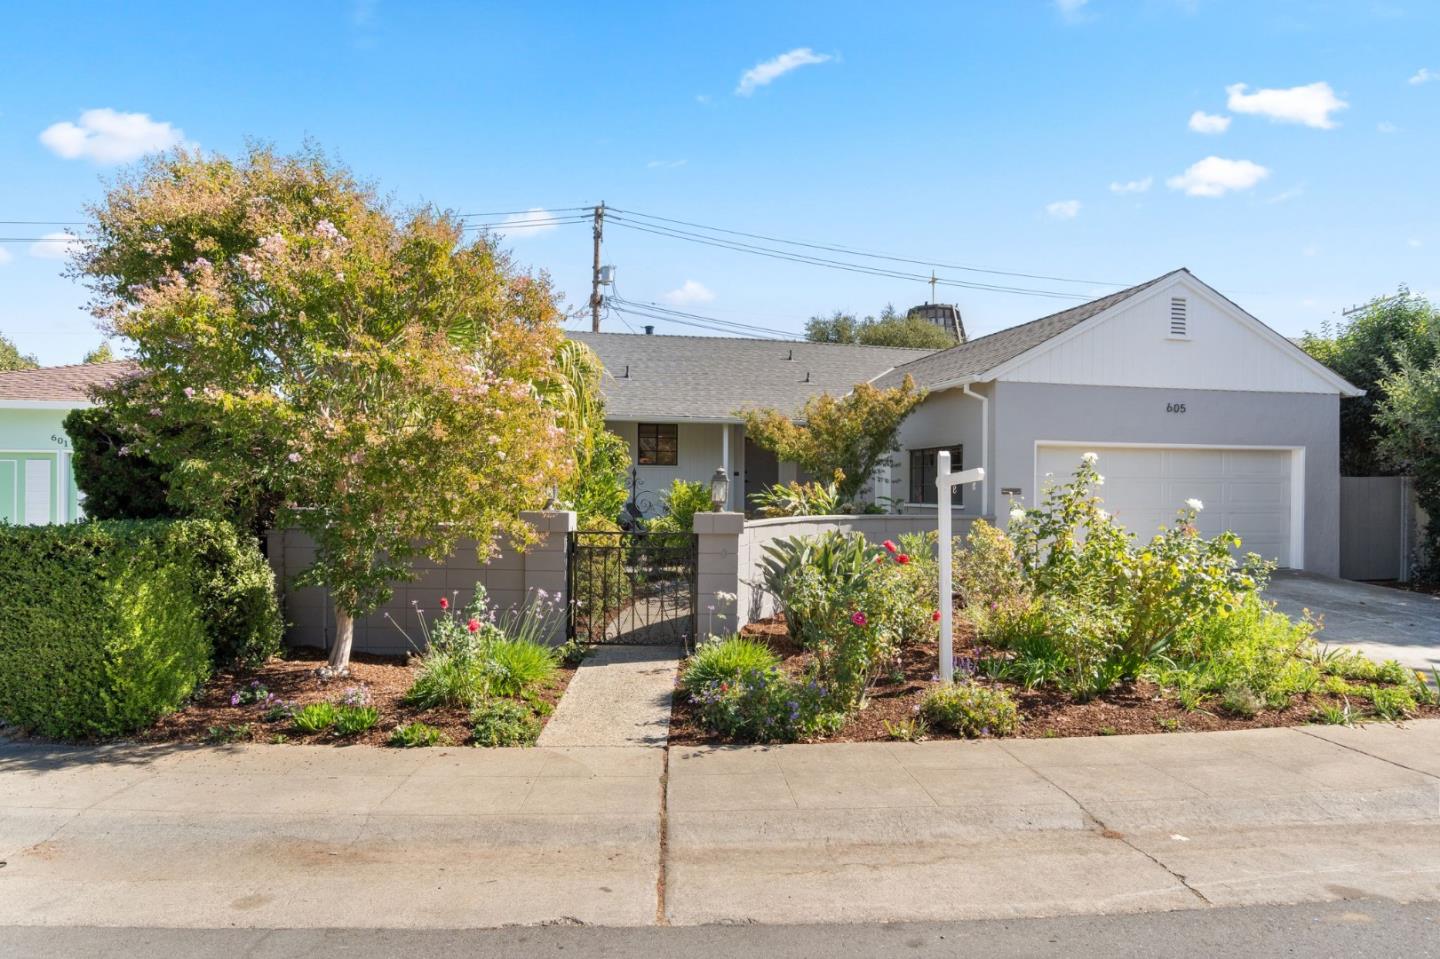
x=658 y=444
x=923 y=472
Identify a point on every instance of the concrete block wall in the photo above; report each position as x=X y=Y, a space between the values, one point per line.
x=509 y=577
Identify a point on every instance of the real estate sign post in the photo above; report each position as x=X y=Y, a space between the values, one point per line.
x=944 y=482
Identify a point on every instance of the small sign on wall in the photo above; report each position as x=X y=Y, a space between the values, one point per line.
x=1011 y=491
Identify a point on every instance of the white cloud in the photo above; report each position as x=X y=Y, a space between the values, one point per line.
x=688 y=294
x=1423 y=75
x=532 y=221
x=1202 y=122
x=55 y=246
x=1132 y=186
x=108 y=136
x=1071 y=10
x=1287 y=195
x=1311 y=104
x=5 y=256
x=1216 y=176
x=1063 y=209
x=763 y=74
x=1385 y=126
x=665 y=164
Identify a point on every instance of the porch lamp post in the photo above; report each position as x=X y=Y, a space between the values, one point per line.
x=945 y=481
x=719 y=488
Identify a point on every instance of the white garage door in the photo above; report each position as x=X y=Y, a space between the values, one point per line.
x=1244 y=491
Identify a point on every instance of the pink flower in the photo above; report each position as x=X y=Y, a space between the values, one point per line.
x=935 y=616
x=902 y=559
x=473 y=625
x=444 y=603
x=858 y=618
x=889 y=546
x=293 y=457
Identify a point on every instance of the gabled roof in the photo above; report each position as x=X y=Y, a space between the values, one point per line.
x=58 y=385
x=709 y=378
x=970 y=361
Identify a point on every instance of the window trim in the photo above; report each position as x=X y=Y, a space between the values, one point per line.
x=659 y=432
x=957 y=461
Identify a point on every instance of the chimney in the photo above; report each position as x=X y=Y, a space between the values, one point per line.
x=649 y=331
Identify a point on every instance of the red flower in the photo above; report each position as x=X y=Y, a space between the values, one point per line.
x=858 y=618
x=444 y=603
x=879 y=559
x=902 y=559
x=935 y=616
x=889 y=546
x=473 y=625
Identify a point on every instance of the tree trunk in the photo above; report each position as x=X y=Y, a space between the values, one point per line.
x=339 y=664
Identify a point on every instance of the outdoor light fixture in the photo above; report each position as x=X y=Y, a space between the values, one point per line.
x=719 y=489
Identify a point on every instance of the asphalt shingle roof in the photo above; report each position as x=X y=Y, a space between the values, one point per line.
x=62 y=383
x=979 y=356
x=710 y=377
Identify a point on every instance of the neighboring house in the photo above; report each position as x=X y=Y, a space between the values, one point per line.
x=1182 y=394
x=36 y=483
x=674 y=400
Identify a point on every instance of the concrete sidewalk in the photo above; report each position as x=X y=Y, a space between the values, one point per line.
x=313 y=837
x=947 y=830
x=620 y=696
x=298 y=836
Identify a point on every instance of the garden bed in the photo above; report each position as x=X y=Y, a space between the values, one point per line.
x=1129 y=708
x=293 y=680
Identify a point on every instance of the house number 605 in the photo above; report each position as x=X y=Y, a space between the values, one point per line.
x=1174 y=407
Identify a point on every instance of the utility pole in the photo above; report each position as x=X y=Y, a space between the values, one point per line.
x=933 y=281
x=595 y=298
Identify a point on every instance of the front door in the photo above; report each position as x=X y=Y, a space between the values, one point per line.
x=762 y=470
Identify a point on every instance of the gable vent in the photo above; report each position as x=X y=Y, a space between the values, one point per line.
x=1179 y=318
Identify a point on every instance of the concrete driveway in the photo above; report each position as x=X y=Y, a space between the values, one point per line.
x=1380 y=622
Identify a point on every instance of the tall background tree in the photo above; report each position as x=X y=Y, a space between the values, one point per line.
x=888 y=329
x=12 y=359
x=1392 y=351
x=101 y=354
x=378 y=370
x=850 y=435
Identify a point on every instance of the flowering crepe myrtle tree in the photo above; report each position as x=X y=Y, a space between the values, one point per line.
x=378 y=371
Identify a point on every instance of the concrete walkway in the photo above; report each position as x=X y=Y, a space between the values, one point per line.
x=313 y=837
x=1381 y=622
x=620 y=696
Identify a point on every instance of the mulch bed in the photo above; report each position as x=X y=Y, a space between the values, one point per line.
x=1046 y=713
x=294 y=680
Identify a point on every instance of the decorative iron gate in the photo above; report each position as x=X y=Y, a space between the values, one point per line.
x=631 y=587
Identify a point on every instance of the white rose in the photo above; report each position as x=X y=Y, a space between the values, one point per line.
x=1017 y=514
x=1091 y=458
x=1195 y=504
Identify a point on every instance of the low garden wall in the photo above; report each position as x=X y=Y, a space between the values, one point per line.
x=509 y=578
x=732 y=550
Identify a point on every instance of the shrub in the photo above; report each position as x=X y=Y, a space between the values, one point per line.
x=316 y=717
x=237 y=591
x=116 y=486
x=799 y=499
x=1392 y=703
x=726 y=660
x=416 y=735
x=908 y=590
x=986 y=573
x=1240 y=700
x=971 y=710
x=765 y=705
x=448 y=678
x=504 y=722
x=516 y=665
x=102 y=626
x=1062 y=643
x=350 y=720
x=1254 y=646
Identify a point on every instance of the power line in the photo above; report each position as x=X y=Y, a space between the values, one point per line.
x=697 y=325
x=43 y=222
x=739 y=247
x=664 y=314
x=880 y=256
x=534 y=209
x=658 y=308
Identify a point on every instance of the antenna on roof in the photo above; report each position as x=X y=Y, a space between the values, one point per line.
x=792 y=354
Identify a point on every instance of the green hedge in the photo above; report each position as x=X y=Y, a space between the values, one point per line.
x=107 y=625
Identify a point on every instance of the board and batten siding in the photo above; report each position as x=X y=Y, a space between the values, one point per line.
x=1222 y=350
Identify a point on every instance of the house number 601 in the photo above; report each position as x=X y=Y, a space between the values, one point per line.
x=1174 y=407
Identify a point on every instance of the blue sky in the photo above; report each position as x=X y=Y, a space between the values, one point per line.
x=1034 y=137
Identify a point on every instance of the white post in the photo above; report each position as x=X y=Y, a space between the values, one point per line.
x=944 y=482
x=725 y=459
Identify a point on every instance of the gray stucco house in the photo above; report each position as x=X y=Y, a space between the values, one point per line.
x=1180 y=391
